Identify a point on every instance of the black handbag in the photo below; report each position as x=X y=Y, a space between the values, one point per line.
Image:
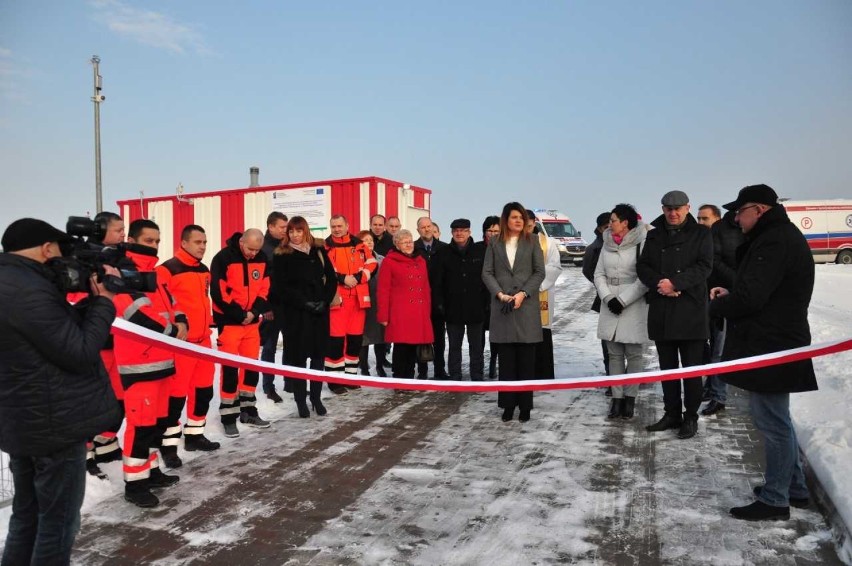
x=425 y=353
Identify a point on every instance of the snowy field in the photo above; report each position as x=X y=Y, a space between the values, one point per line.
x=428 y=478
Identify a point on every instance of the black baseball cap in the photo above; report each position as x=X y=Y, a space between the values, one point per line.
x=758 y=194
x=30 y=233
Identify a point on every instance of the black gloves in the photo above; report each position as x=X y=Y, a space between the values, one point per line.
x=507 y=307
x=316 y=307
x=615 y=306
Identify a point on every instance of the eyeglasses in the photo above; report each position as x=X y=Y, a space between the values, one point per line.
x=743 y=209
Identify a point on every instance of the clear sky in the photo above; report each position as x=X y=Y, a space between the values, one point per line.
x=569 y=105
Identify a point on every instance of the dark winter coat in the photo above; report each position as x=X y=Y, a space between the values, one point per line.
x=685 y=257
x=54 y=390
x=405 y=302
x=458 y=290
x=299 y=278
x=269 y=245
x=382 y=244
x=727 y=237
x=521 y=326
x=767 y=309
x=590 y=262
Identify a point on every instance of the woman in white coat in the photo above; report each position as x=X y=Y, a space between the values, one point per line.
x=623 y=321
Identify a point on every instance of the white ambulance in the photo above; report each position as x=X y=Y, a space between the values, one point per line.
x=571 y=244
x=827 y=225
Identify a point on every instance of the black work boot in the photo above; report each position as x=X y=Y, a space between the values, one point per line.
x=616 y=408
x=159 y=479
x=139 y=493
x=193 y=442
x=170 y=457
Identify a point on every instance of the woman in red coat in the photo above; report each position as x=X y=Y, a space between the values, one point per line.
x=405 y=304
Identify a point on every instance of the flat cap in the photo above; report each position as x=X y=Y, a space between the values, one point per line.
x=460 y=223
x=674 y=198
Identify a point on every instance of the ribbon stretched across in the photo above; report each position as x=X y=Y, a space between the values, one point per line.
x=145 y=336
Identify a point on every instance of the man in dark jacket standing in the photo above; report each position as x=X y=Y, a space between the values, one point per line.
x=270 y=329
x=767 y=311
x=590 y=262
x=54 y=392
x=428 y=245
x=460 y=296
x=727 y=237
x=675 y=264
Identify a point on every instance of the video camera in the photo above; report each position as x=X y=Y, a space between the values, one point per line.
x=84 y=256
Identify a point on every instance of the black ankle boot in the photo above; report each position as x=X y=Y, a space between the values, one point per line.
x=616 y=408
x=319 y=407
x=629 y=408
x=508 y=414
x=304 y=412
x=524 y=415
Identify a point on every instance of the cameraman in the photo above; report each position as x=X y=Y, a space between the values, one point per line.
x=54 y=392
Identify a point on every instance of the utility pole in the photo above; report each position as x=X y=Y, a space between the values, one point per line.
x=97 y=98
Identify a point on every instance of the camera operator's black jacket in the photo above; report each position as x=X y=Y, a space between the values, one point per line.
x=54 y=390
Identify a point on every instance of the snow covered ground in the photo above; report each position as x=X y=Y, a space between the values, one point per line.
x=426 y=478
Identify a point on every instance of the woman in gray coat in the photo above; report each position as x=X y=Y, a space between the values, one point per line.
x=512 y=273
x=623 y=322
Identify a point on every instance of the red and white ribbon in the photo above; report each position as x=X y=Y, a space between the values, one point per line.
x=145 y=336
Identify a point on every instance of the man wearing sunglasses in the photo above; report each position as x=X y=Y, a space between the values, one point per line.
x=767 y=311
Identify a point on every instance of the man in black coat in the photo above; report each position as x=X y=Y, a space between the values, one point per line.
x=270 y=329
x=54 y=392
x=727 y=237
x=590 y=262
x=767 y=311
x=675 y=263
x=461 y=297
x=428 y=245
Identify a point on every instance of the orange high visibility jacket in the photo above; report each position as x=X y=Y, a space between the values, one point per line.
x=188 y=282
x=238 y=285
x=139 y=362
x=350 y=256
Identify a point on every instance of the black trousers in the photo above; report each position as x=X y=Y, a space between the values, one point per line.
x=691 y=353
x=517 y=362
x=544 y=368
x=404 y=360
x=439 y=329
x=455 y=335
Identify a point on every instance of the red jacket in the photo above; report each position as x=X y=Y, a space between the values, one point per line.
x=405 y=299
x=350 y=256
x=138 y=362
x=188 y=281
x=238 y=285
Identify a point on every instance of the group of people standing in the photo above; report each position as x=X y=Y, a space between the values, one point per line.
x=707 y=290
x=745 y=284
x=393 y=292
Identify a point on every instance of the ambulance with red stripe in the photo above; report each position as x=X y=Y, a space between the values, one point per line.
x=827 y=225
x=572 y=246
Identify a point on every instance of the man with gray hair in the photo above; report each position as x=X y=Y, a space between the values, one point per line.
x=674 y=265
x=239 y=287
x=428 y=245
